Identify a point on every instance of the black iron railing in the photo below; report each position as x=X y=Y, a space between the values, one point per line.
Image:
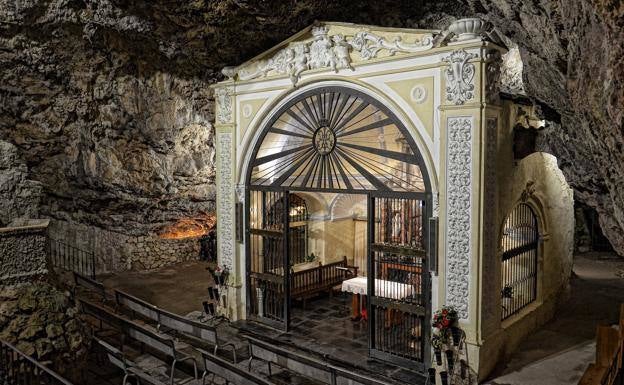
x=16 y=368
x=71 y=258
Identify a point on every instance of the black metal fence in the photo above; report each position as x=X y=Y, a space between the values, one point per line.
x=71 y=258
x=520 y=242
x=16 y=368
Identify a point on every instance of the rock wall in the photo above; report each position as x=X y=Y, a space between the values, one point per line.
x=23 y=253
x=43 y=322
x=108 y=106
x=115 y=136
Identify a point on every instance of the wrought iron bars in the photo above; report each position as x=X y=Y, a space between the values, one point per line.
x=71 y=258
x=520 y=243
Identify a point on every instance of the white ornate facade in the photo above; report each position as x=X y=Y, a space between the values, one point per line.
x=444 y=89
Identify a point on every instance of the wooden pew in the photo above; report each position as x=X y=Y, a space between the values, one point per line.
x=287 y=359
x=171 y=321
x=323 y=278
x=305 y=365
x=130 y=369
x=136 y=305
x=193 y=329
x=158 y=342
x=609 y=356
x=90 y=284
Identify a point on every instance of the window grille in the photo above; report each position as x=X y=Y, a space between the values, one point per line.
x=519 y=260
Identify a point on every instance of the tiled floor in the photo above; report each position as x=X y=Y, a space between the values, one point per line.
x=325 y=329
x=327 y=322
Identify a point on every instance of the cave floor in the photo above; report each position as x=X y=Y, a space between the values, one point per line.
x=560 y=351
x=178 y=288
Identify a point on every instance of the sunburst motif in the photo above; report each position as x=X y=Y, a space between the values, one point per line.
x=338 y=139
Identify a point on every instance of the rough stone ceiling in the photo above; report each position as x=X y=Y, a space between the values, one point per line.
x=108 y=77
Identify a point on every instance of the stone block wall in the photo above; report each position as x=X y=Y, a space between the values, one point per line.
x=118 y=252
x=23 y=253
x=144 y=253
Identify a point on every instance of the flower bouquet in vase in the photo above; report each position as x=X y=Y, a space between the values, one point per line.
x=446 y=321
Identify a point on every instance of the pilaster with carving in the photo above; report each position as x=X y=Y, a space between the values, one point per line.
x=460 y=76
x=459 y=213
x=491 y=286
x=224 y=102
x=225 y=194
x=492 y=77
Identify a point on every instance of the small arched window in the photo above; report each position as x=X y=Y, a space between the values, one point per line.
x=519 y=266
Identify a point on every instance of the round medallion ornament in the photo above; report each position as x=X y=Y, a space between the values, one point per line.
x=247 y=111
x=324 y=139
x=418 y=94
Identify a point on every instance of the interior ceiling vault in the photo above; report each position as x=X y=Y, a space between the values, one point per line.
x=90 y=90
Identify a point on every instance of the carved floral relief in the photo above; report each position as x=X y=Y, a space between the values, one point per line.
x=458 y=227
x=226 y=200
x=459 y=76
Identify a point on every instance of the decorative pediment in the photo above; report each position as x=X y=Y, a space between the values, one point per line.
x=331 y=46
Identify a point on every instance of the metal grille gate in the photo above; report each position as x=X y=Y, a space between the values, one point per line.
x=335 y=139
x=398 y=282
x=268 y=286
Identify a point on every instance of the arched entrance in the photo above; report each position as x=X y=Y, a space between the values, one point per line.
x=338 y=140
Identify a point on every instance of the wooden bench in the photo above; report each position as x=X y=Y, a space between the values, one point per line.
x=230 y=373
x=194 y=329
x=173 y=322
x=88 y=283
x=347 y=377
x=102 y=315
x=308 y=283
x=136 y=305
x=297 y=363
x=163 y=344
x=305 y=365
x=130 y=369
x=608 y=368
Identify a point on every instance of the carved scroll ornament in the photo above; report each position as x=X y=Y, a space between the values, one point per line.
x=459 y=76
x=325 y=51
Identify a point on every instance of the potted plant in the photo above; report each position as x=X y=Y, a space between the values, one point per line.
x=310 y=258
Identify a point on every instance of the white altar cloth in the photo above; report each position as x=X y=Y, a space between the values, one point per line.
x=383 y=288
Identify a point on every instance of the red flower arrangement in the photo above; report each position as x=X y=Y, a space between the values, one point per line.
x=445 y=318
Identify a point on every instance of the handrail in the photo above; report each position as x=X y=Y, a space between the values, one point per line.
x=31 y=373
x=71 y=258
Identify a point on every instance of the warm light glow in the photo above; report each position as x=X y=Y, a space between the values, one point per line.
x=189 y=227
